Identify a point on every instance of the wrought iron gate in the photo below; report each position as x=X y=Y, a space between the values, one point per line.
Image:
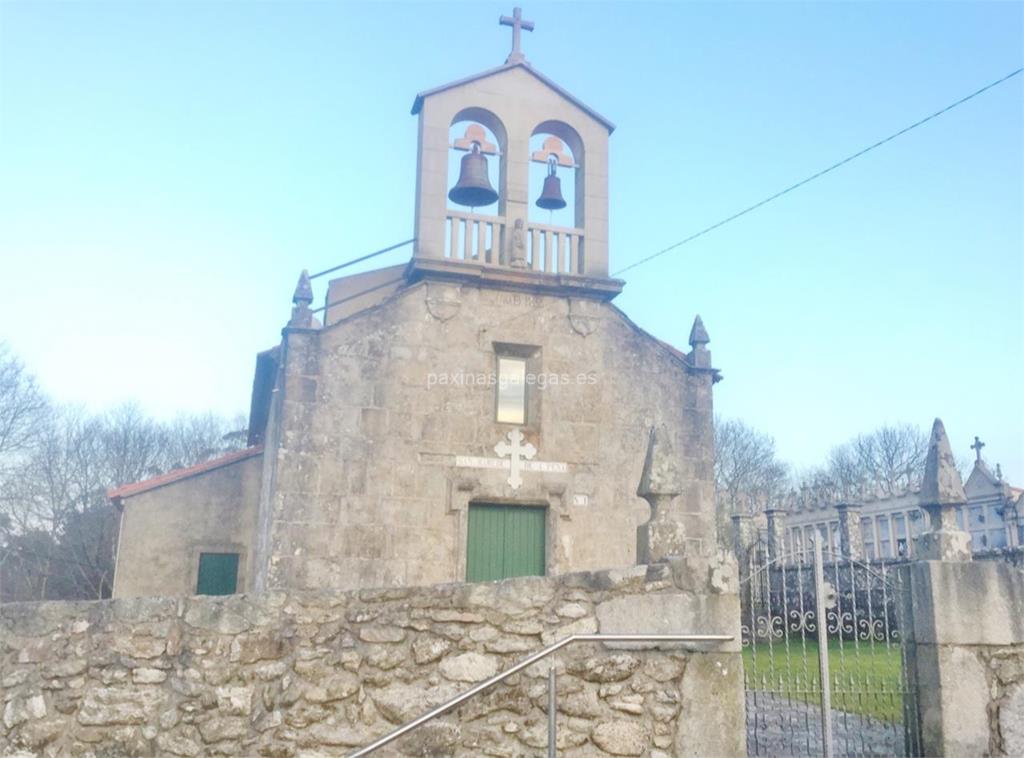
x=840 y=688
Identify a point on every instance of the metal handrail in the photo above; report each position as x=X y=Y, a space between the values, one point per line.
x=459 y=699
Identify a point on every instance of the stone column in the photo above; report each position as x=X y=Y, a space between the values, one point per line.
x=1012 y=520
x=290 y=472
x=776 y=532
x=965 y=655
x=963 y=629
x=744 y=535
x=851 y=541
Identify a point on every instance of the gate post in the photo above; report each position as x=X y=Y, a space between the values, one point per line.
x=822 y=624
x=964 y=630
x=776 y=518
x=851 y=540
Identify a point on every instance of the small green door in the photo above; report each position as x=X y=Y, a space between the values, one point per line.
x=504 y=541
x=218 y=574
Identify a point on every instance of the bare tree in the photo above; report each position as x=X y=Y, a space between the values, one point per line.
x=22 y=405
x=887 y=461
x=748 y=476
x=58 y=533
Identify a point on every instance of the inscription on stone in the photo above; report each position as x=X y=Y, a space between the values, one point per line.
x=515 y=457
x=510 y=298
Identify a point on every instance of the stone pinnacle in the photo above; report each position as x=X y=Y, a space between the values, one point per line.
x=698 y=334
x=941 y=484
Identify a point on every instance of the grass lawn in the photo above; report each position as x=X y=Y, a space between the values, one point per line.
x=864 y=680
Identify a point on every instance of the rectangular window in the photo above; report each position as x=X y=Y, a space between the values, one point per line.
x=218 y=574
x=511 y=390
x=504 y=541
x=899 y=525
x=996 y=527
x=884 y=541
x=867 y=532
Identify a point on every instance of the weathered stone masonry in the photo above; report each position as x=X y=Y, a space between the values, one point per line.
x=966 y=656
x=316 y=673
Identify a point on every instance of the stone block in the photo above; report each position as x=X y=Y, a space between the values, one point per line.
x=975 y=603
x=712 y=720
x=953 y=694
x=671 y=613
x=1011 y=721
x=621 y=737
x=468 y=667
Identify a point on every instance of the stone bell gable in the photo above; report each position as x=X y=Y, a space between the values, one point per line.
x=384 y=433
x=514 y=102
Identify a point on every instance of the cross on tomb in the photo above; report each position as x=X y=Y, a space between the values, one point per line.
x=517 y=452
x=517 y=23
x=976 y=447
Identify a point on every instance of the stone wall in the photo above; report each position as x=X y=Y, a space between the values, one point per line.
x=364 y=487
x=318 y=672
x=966 y=656
x=163 y=530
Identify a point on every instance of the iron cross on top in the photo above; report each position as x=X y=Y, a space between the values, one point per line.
x=517 y=23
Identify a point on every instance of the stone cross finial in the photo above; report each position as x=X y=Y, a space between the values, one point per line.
x=517 y=23
x=942 y=493
x=976 y=447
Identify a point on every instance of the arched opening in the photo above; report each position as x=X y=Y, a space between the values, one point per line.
x=555 y=212
x=478 y=130
x=556 y=149
x=476 y=186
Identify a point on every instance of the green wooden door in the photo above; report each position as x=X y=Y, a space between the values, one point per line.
x=218 y=574
x=504 y=541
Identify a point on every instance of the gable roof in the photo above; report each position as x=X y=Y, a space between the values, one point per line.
x=128 y=490
x=418 y=103
x=981 y=475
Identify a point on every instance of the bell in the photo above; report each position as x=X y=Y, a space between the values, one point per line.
x=551 y=196
x=474 y=187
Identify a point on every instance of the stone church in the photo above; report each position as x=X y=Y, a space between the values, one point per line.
x=479 y=412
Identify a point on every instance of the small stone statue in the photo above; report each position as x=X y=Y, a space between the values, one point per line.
x=517 y=247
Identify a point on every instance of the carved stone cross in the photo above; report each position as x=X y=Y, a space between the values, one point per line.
x=517 y=23
x=517 y=453
x=976 y=447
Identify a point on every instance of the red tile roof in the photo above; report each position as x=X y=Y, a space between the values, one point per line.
x=128 y=490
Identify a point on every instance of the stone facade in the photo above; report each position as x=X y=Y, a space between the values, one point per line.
x=319 y=673
x=363 y=485
x=888 y=526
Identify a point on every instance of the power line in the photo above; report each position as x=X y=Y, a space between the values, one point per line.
x=363 y=258
x=818 y=175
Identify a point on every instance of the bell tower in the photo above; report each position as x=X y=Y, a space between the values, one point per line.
x=495 y=220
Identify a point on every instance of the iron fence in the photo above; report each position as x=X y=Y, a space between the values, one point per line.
x=841 y=687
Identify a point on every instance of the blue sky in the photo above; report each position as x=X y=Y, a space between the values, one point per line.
x=167 y=169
